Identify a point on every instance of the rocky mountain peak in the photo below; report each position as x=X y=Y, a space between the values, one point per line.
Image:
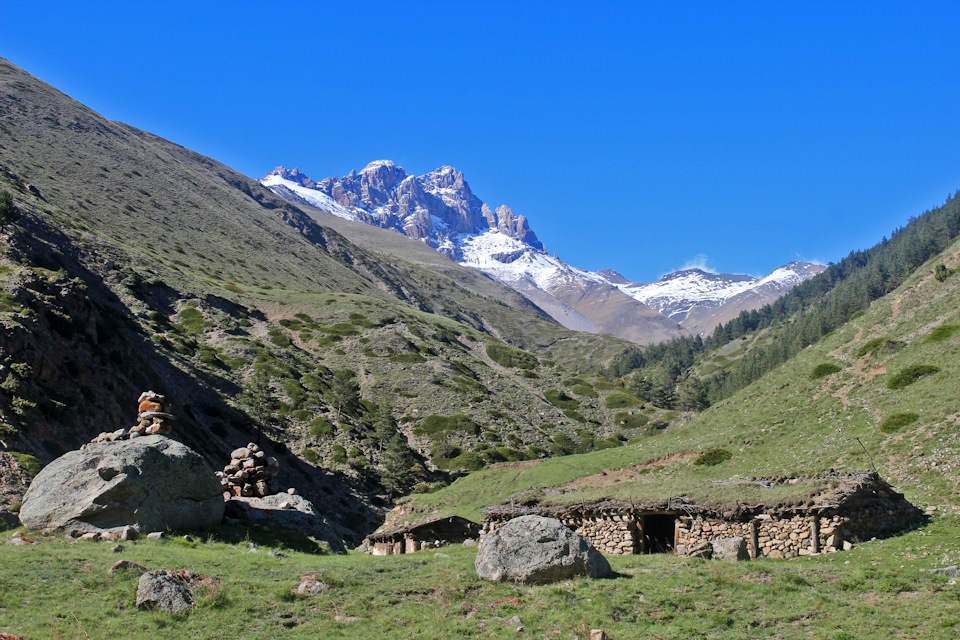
x=516 y=227
x=294 y=176
x=611 y=276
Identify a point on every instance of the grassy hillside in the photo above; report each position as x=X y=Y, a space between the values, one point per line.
x=880 y=391
x=137 y=264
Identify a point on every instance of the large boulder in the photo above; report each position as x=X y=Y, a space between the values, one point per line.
x=537 y=550
x=732 y=549
x=289 y=512
x=151 y=483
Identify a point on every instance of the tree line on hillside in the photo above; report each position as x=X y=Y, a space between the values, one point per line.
x=664 y=373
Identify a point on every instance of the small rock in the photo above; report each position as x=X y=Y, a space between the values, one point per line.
x=125 y=565
x=19 y=541
x=276 y=554
x=440 y=555
x=469 y=542
x=129 y=533
x=515 y=620
x=156 y=535
x=310 y=585
x=292 y=491
x=92 y=536
x=346 y=618
x=165 y=591
x=598 y=634
x=188 y=538
x=118 y=548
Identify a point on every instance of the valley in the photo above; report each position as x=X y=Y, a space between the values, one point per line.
x=408 y=352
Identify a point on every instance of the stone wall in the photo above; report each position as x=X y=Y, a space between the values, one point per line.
x=609 y=534
x=767 y=535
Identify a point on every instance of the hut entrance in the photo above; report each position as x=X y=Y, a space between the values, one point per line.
x=658 y=531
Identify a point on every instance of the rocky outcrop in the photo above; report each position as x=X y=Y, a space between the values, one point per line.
x=151 y=483
x=289 y=512
x=170 y=591
x=537 y=550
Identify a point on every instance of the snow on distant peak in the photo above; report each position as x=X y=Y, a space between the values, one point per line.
x=314 y=197
x=376 y=164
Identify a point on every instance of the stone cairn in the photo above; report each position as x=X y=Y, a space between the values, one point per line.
x=152 y=420
x=250 y=473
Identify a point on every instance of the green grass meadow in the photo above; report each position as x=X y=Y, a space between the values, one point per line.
x=62 y=590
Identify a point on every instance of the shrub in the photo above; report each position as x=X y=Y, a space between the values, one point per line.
x=584 y=390
x=321 y=427
x=508 y=357
x=560 y=400
x=712 y=457
x=339 y=454
x=870 y=346
x=192 y=320
x=896 y=421
x=942 y=333
x=279 y=338
x=620 y=400
x=911 y=374
x=823 y=370
x=510 y=454
x=310 y=455
x=434 y=424
x=604 y=385
x=631 y=421
x=575 y=415
x=468 y=461
x=409 y=358
x=30 y=465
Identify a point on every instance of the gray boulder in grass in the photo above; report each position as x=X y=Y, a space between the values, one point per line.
x=537 y=550
x=151 y=483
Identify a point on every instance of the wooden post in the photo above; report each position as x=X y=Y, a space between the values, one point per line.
x=754 y=540
x=815 y=534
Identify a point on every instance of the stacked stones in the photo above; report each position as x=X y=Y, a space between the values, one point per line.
x=152 y=420
x=250 y=473
x=610 y=534
x=152 y=417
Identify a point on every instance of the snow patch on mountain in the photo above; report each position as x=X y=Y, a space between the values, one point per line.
x=313 y=197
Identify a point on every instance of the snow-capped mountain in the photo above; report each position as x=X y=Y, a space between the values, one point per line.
x=439 y=209
x=699 y=300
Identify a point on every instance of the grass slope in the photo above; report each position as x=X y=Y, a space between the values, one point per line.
x=790 y=422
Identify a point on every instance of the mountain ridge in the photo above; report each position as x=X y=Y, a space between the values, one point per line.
x=439 y=209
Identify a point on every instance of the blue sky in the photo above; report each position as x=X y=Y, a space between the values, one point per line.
x=639 y=136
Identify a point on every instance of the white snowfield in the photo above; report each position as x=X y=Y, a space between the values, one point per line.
x=315 y=197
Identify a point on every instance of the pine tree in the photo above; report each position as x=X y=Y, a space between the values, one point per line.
x=9 y=212
x=258 y=397
x=345 y=392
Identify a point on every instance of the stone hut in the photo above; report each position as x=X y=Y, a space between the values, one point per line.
x=426 y=535
x=778 y=517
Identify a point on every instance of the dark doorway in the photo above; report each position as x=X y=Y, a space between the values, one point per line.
x=658 y=533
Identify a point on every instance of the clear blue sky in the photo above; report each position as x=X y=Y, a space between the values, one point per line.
x=640 y=136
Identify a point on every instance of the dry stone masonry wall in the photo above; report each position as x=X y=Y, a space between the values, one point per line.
x=615 y=534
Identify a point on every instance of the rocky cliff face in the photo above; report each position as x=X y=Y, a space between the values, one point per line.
x=435 y=208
